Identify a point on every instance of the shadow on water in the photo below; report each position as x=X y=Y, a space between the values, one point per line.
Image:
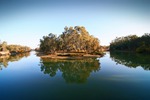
x=131 y=59
x=4 y=60
x=73 y=71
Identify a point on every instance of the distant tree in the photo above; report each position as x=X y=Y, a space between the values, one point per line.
x=75 y=39
x=3 y=46
x=18 y=48
x=132 y=43
x=13 y=48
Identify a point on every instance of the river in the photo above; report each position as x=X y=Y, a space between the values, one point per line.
x=112 y=77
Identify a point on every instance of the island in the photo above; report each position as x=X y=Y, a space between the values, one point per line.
x=73 y=43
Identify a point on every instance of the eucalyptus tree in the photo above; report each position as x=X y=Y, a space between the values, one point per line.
x=72 y=39
x=49 y=43
x=132 y=43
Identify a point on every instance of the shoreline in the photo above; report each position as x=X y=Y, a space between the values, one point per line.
x=66 y=56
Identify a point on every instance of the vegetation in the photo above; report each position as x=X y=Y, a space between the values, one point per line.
x=13 y=49
x=132 y=43
x=18 y=48
x=3 y=46
x=75 y=39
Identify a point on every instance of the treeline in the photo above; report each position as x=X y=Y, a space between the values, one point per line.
x=132 y=43
x=18 y=48
x=4 y=47
x=75 y=39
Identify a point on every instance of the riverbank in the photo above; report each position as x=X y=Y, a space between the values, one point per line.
x=68 y=56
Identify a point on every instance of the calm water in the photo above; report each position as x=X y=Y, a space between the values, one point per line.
x=112 y=77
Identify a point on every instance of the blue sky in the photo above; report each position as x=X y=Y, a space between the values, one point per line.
x=24 y=22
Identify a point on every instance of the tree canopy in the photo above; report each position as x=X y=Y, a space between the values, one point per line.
x=13 y=48
x=3 y=46
x=132 y=43
x=75 y=39
x=18 y=48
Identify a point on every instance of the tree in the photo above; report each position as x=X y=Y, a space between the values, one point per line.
x=48 y=43
x=4 y=46
x=18 y=48
x=75 y=39
x=132 y=43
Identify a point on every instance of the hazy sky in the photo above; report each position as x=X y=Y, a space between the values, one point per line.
x=26 y=21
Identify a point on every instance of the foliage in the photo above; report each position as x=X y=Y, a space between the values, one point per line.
x=18 y=48
x=75 y=39
x=3 y=46
x=132 y=43
x=14 y=48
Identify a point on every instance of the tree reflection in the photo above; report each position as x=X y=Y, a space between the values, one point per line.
x=73 y=71
x=4 y=60
x=131 y=59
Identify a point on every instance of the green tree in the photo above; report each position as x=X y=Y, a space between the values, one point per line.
x=4 y=46
x=49 y=43
x=132 y=43
x=75 y=39
x=18 y=48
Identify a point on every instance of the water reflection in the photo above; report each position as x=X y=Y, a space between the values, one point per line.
x=73 y=71
x=131 y=60
x=4 y=60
